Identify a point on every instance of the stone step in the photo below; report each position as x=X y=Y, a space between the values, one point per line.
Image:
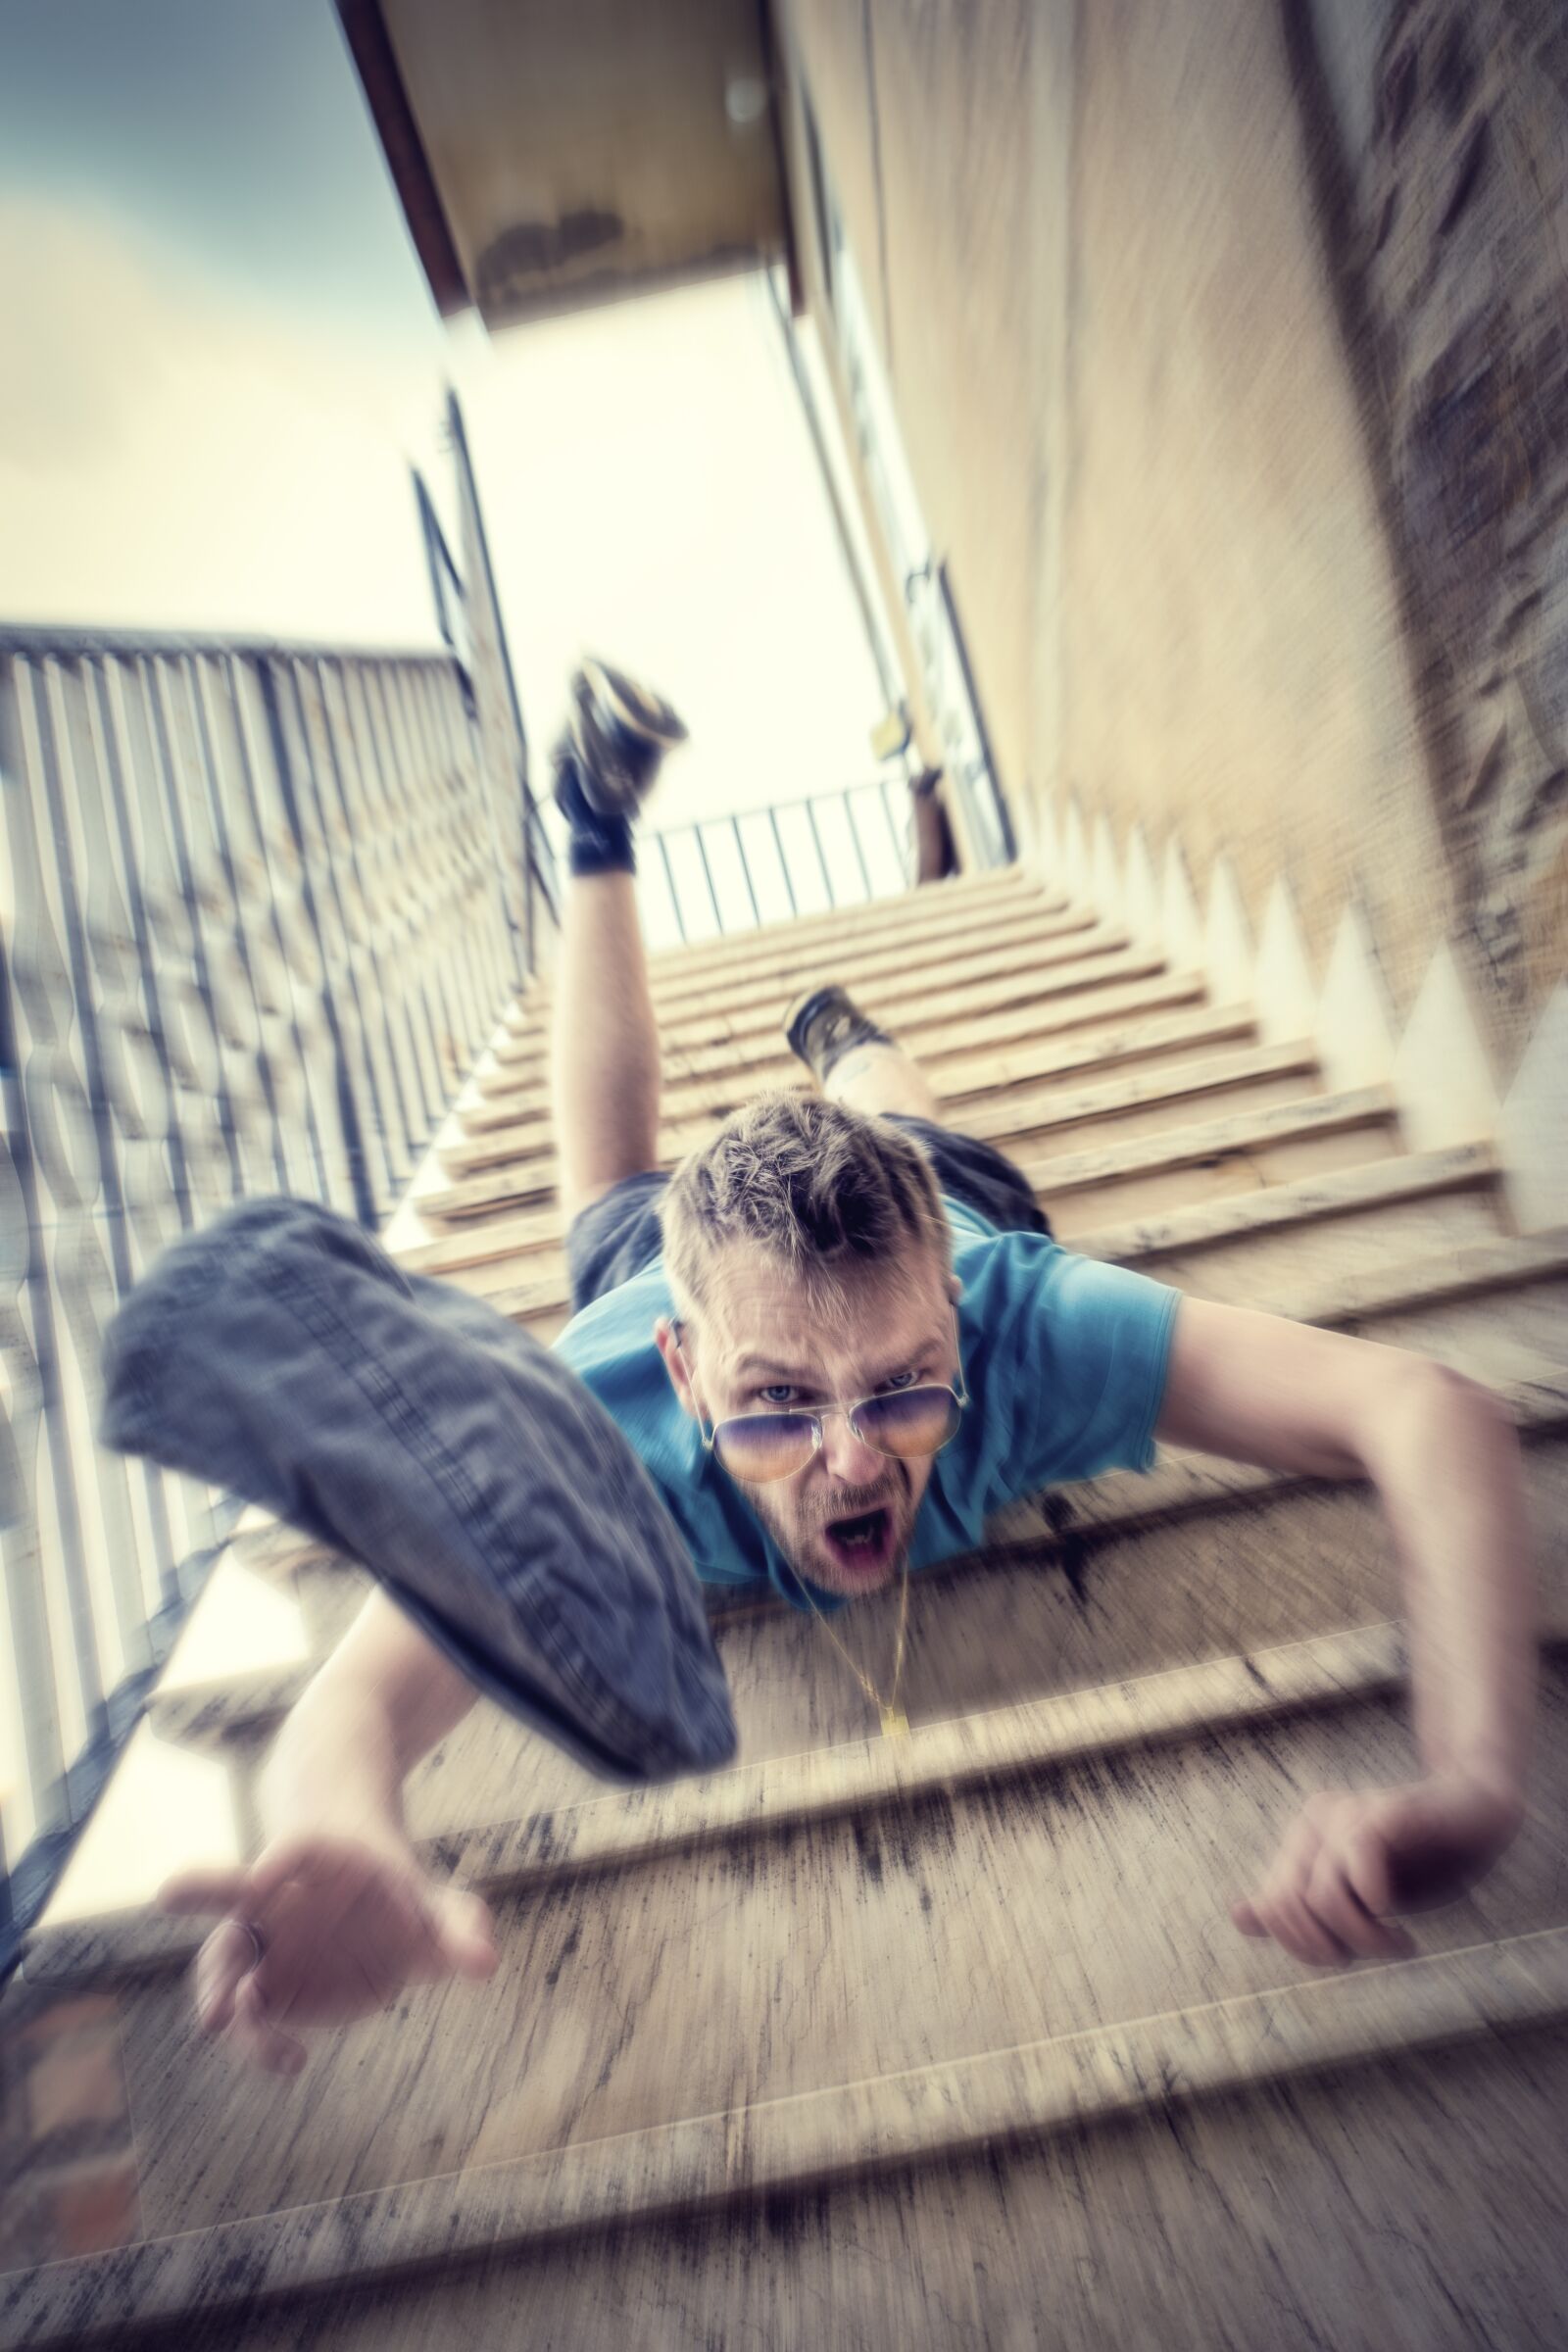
x=874 y=1775
x=1023 y=934
x=1037 y=1907
x=857 y=962
x=964 y=898
x=1141 y=1178
x=914 y=913
x=1108 y=1109
x=496 y=1091
x=976 y=1083
x=1451 y=1193
x=481 y=1126
x=850 y=953
x=535 y=1291
x=469 y=1250
x=1392 y=1209
x=1096 y=961
x=1371 y=2154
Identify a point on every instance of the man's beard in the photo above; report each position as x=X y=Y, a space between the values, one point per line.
x=820 y=1542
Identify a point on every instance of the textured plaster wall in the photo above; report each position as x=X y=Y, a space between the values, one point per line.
x=1228 y=341
x=1233 y=654
x=1452 y=119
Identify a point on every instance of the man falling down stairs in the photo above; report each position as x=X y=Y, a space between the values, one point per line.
x=838 y=1339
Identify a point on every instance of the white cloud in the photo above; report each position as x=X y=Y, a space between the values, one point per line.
x=173 y=459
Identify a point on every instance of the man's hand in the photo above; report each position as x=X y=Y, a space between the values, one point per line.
x=344 y=1927
x=1351 y=1857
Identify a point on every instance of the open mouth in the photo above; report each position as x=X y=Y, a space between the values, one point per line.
x=862 y=1543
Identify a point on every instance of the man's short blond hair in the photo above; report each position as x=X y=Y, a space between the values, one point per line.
x=826 y=1192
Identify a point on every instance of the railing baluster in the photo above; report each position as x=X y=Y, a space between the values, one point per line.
x=669 y=881
x=708 y=875
x=783 y=862
x=746 y=870
x=827 y=879
x=854 y=836
x=892 y=824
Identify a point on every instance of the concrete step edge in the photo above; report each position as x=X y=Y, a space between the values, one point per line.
x=477 y=1118
x=1111 y=959
x=1007 y=1114
x=1480 y=1266
x=956 y=2108
x=920 y=901
x=499 y=1085
x=855 y=938
x=860 y=961
x=853 y=955
x=1453 y=1168
x=1319 y=1675
x=1214 y=1139
x=527 y=1177
x=992 y=1114
x=1306 y=1200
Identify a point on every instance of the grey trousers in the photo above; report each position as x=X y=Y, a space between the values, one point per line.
x=279 y=1353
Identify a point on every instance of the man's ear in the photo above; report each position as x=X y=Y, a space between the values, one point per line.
x=674 y=1365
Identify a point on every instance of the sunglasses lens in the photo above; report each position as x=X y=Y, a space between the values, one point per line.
x=908 y=1421
x=759 y=1448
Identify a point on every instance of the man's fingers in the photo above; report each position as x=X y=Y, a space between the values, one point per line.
x=1303 y=1932
x=256 y=2040
x=468 y=1935
x=1281 y=1908
x=221 y=1965
x=1333 y=1900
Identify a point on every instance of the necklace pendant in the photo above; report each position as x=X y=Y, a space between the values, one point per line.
x=895 y=1723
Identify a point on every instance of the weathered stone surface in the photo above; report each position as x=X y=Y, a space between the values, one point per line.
x=1462 y=190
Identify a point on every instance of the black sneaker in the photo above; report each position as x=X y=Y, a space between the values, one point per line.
x=824 y=1024
x=616 y=735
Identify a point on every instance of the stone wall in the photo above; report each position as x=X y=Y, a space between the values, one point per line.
x=1156 y=374
x=1454 y=119
x=1234 y=663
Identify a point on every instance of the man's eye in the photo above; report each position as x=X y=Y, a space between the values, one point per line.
x=781 y=1393
x=903 y=1379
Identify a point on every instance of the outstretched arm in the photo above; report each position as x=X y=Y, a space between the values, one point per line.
x=1445 y=1458
x=345 y=1911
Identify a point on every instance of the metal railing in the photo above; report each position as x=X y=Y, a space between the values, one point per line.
x=805 y=856
x=468 y=610
x=252 y=937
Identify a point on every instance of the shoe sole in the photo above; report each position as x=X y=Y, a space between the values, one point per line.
x=616 y=693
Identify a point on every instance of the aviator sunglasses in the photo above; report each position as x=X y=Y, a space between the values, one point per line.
x=759 y=1448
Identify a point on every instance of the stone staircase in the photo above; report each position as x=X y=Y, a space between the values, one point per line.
x=947 y=2040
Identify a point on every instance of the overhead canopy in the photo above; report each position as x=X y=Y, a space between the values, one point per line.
x=552 y=154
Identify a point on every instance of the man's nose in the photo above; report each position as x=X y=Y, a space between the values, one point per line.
x=844 y=1457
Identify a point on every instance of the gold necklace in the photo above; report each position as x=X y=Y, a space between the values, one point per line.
x=894 y=1722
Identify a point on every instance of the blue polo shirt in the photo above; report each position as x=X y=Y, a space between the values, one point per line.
x=1065 y=1362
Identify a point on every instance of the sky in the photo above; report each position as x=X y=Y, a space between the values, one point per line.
x=219 y=358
